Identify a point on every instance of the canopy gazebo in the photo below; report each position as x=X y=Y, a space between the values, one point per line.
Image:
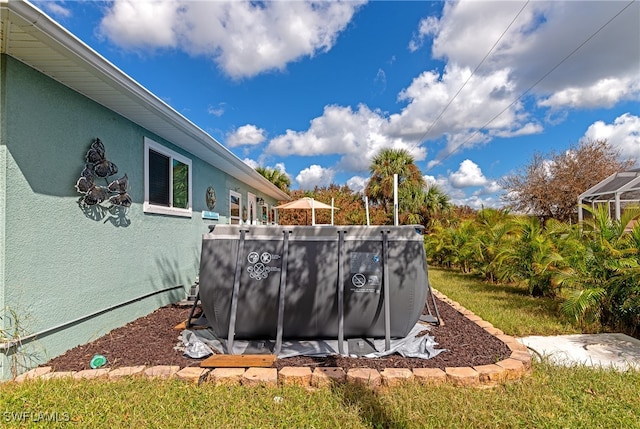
x=307 y=203
x=620 y=189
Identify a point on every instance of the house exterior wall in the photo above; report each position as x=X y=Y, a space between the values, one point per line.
x=62 y=261
x=3 y=175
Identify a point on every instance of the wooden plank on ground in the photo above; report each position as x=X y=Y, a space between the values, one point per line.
x=238 y=361
x=183 y=325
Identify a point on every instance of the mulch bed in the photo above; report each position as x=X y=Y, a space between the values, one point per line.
x=151 y=340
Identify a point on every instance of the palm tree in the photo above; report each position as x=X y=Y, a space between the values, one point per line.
x=495 y=231
x=435 y=203
x=275 y=176
x=605 y=282
x=532 y=258
x=410 y=182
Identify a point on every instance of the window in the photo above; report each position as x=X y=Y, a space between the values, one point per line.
x=272 y=216
x=235 y=201
x=252 y=210
x=167 y=185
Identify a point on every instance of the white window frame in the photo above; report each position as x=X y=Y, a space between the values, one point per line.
x=239 y=217
x=252 y=208
x=261 y=220
x=152 y=208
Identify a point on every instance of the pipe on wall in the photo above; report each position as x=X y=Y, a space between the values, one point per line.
x=19 y=341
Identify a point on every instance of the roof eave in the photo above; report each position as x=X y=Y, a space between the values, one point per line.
x=193 y=139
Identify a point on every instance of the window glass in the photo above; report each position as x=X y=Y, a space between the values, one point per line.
x=158 y=179
x=180 y=185
x=234 y=207
x=167 y=181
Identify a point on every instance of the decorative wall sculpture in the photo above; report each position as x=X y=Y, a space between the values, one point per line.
x=99 y=167
x=210 y=198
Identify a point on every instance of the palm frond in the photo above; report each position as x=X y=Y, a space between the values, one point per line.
x=583 y=302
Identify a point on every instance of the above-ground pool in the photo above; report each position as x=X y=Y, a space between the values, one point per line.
x=312 y=282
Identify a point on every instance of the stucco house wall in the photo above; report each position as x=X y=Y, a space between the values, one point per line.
x=61 y=260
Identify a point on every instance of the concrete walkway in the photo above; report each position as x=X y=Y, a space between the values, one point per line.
x=619 y=351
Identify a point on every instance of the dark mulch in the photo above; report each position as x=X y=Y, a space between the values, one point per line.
x=150 y=340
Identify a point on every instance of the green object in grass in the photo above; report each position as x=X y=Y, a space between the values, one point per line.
x=97 y=361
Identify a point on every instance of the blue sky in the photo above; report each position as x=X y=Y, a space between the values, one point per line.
x=471 y=89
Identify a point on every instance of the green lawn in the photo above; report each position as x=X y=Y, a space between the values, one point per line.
x=507 y=307
x=553 y=397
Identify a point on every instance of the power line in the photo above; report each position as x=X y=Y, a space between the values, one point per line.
x=472 y=74
x=455 y=148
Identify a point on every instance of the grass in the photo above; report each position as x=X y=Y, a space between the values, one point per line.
x=553 y=397
x=507 y=307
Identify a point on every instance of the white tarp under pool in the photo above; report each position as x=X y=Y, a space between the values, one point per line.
x=202 y=342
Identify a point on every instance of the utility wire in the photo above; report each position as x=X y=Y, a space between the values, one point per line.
x=471 y=75
x=455 y=149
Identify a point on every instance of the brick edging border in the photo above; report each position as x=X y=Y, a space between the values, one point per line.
x=515 y=367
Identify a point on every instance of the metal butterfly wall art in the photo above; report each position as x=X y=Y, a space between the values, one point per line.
x=98 y=165
x=120 y=186
x=85 y=182
x=93 y=194
x=97 y=156
x=123 y=200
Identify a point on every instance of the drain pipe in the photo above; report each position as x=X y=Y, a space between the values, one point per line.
x=18 y=341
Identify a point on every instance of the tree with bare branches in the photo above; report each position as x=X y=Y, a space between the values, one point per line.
x=549 y=186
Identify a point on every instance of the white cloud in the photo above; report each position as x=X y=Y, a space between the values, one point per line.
x=468 y=174
x=337 y=131
x=552 y=47
x=477 y=202
x=56 y=9
x=471 y=109
x=483 y=109
x=486 y=196
x=357 y=183
x=623 y=134
x=476 y=107
x=491 y=187
x=247 y=38
x=246 y=135
x=604 y=93
x=216 y=111
x=527 y=129
x=356 y=135
x=440 y=182
x=380 y=81
x=433 y=163
x=427 y=27
x=281 y=168
x=243 y=38
x=313 y=176
x=251 y=163
x=278 y=166
x=430 y=180
x=142 y=25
